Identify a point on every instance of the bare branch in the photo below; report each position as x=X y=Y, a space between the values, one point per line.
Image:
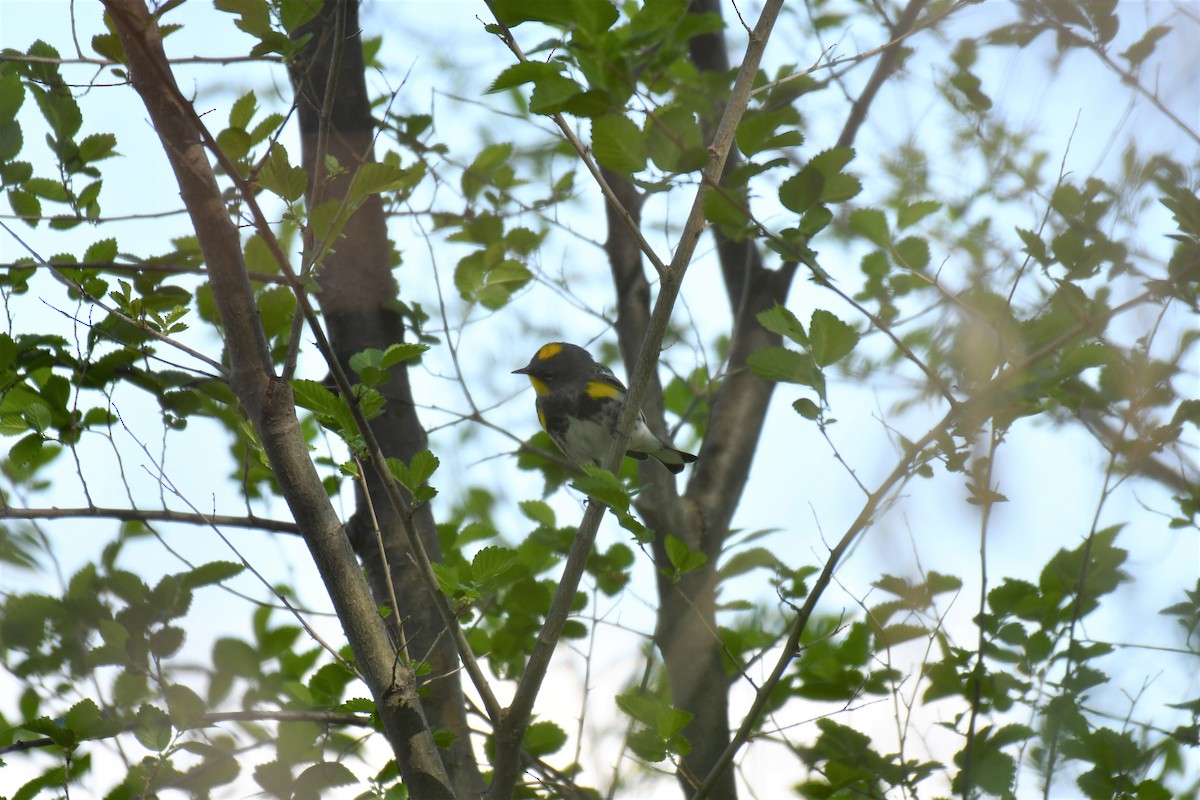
x=151 y=515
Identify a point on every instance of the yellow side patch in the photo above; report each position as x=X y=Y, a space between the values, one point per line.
x=539 y=386
x=598 y=390
x=542 y=419
x=549 y=351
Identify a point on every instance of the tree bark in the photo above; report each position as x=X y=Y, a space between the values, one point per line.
x=686 y=633
x=267 y=400
x=358 y=297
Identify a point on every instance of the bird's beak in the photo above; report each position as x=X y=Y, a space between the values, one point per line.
x=522 y=371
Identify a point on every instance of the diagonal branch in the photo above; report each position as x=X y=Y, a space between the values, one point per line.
x=512 y=728
x=269 y=404
x=985 y=403
x=883 y=69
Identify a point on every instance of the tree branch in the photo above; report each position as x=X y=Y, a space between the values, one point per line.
x=883 y=69
x=269 y=403
x=216 y=717
x=512 y=728
x=151 y=515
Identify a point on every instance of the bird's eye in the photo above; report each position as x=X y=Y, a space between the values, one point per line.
x=547 y=377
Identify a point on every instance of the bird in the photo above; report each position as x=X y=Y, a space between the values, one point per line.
x=578 y=402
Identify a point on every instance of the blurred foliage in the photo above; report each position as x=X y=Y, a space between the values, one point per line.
x=1023 y=323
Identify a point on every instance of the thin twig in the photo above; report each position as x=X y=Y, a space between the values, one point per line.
x=151 y=515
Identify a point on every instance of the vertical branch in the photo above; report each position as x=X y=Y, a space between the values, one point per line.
x=268 y=402
x=516 y=719
x=358 y=294
x=983 y=488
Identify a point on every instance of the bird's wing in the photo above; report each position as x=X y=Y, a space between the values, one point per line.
x=605 y=375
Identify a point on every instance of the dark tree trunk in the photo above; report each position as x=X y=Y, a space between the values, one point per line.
x=357 y=300
x=686 y=630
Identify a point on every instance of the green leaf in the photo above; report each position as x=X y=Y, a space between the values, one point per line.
x=211 y=574
x=766 y=130
x=524 y=72
x=101 y=251
x=912 y=213
x=489 y=168
x=674 y=141
x=376 y=177
x=871 y=223
x=780 y=320
x=82 y=717
x=11 y=141
x=153 y=728
x=912 y=252
x=831 y=338
x=314 y=396
x=243 y=110
x=185 y=706
x=539 y=512
x=279 y=177
x=97 y=147
x=682 y=558
x=618 y=144
x=786 y=366
x=543 y=738
x=398 y=353
x=322 y=776
x=807 y=408
x=12 y=96
x=744 y=561
x=726 y=208
x=801 y=192
x=414 y=475
x=25 y=205
x=552 y=93
x=235 y=143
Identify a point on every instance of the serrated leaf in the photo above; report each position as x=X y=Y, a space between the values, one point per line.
x=185 y=706
x=522 y=73
x=618 y=144
x=376 y=177
x=324 y=775
x=780 y=320
x=101 y=251
x=786 y=366
x=97 y=147
x=313 y=396
x=404 y=351
x=242 y=110
x=552 y=93
x=153 y=728
x=674 y=141
x=831 y=338
x=912 y=252
x=871 y=223
x=912 y=213
x=803 y=190
x=539 y=512
x=682 y=558
x=543 y=738
x=211 y=573
x=604 y=486
x=279 y=177
x=806 y=408
x=744 y=561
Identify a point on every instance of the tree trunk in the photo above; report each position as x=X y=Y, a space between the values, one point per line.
x=357 y=298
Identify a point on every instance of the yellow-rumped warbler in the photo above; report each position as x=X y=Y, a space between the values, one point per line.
x=578 y=401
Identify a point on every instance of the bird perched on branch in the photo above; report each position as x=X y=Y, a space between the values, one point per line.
x=578 y=402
